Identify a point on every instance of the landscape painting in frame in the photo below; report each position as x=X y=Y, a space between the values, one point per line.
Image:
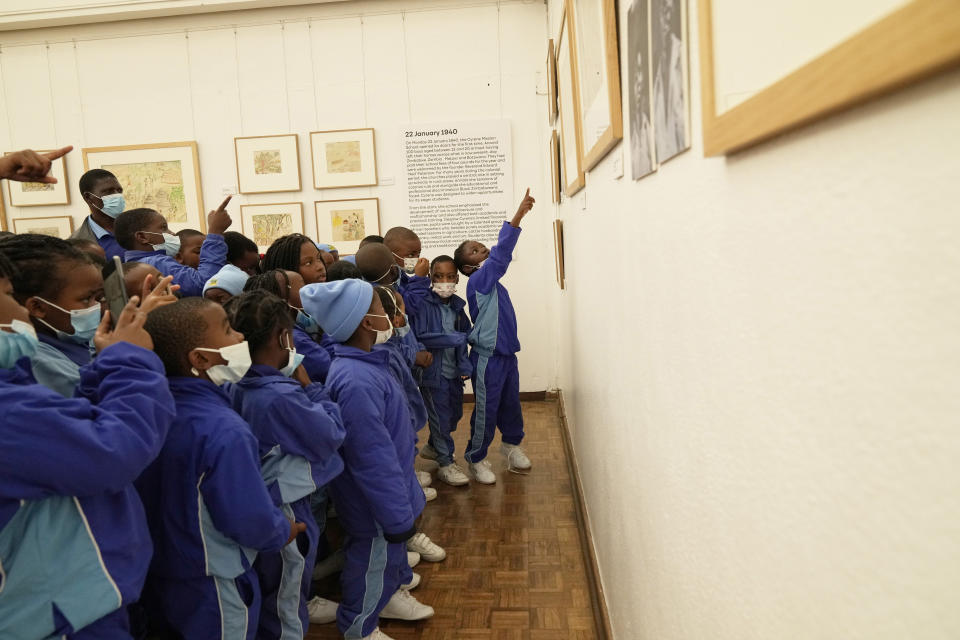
x=37 y=194
x=264 y=223
x=346 y=222
x=345 y=158
x=56 y=226
x=268 y=164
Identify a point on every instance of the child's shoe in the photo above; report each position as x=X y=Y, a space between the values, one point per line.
x=322 y=611
x=424 y=478
x=413 y=584
x=403 y=606
x=330 y=565
x=413 y=558
x=427 y=549
x=481 y=472
x=377 y=635
x=453 y=475
x=428 y=452
x=517 y=459
x=429 y=493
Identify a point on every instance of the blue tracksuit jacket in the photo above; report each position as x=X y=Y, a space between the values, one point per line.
x=494 y=320
x=56 y=364
x=316 y=359
x=402 y=356
x=427 y=321
x=74 y=544
x=213 y=255
x=378 y=491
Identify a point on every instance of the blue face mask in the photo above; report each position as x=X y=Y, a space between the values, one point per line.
x=405 y=329
x=83 y=321
x=306 y=322
x=295 y=358
x=111 y=205
x=20 y=342
x=170 y=244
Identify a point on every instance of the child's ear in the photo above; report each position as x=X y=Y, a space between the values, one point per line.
x=35 y=308
x=200 y=360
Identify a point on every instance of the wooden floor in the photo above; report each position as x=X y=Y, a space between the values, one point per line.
x=514 y=567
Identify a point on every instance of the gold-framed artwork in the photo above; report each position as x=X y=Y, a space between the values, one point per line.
x=551 y=83
x=904 y=46
x=38 y=194
x=639 y=81
x=264 y=223
x=56 y=226
x=593 y=41
x=344 y=158
x=554 y=165
x=345 y=223
x=3 y=214
x=558 y=252
x=162 y=176
x=569 y=110
x=267 y=164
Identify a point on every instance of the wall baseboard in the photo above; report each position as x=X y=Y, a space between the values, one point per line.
x=525 y=396
x=601 y=615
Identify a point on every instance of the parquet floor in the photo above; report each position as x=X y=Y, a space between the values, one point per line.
x=514 y=567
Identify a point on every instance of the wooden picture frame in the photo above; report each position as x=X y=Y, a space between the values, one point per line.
x=554 y=166
x=344 y=158
x=39 y=194
x=3 y=214
x=362 y=214
x=909 y=44
x=175 y=166
x=569 y=111
x=63 y=226
x=593 y=42
x=552 y=110
x=264 y=223
x=267 y=164
x=558 y=252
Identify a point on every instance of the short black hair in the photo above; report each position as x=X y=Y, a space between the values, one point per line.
x=343 y=270
x=7 y=234
x=370 y=239
x=256 y=314
x=274 y=281
x=189 y=233
x=388 y=301
x=38 y=260
x=177 y=329
x=93 y=258
x=458 y=260
x=399 y=234
x=128 y=223
x=90 y=179
x=238 y=245
x=284 y=253
x=7 y=270
x=440 y=259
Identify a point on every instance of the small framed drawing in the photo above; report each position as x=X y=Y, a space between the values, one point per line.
x=268 y=164
x=570 y=156
x=56 y=226
x=558 y=252
x=346 y=222
x=346 y=158
x=163 y=176
x=555 y=166
x=36 y=194
x=551 y=83
x=264 y=223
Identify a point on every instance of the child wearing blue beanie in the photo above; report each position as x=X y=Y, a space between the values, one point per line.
x=225 y=284
x=377 y=497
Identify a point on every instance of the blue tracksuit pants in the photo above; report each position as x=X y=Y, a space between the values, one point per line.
x=212 y=607
x=373 y=570
x=496 y=384
x=113 y=626
x=285 y=578
x=444 y=410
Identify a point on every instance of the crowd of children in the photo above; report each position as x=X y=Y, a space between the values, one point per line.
x=169 y=472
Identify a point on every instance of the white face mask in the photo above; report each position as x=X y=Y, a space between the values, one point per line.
x=409 y=264
x=238 y=363
x=170 y=244
x=444 y=289
x=386 y=334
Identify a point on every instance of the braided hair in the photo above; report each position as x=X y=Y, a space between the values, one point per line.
x=284 y=253
x=274 y=281
x=256 y=314
x=40 y=263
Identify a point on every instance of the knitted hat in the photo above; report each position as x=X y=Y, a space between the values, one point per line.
x=338 y=306
x=230 y=278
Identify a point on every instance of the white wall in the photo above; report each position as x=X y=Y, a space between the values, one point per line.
x=761 y=362
x=374 y=64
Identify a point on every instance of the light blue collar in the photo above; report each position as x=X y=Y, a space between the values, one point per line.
x=97 y=229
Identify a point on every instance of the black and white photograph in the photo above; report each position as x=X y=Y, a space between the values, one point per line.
x=669 y=78
x=643 y=161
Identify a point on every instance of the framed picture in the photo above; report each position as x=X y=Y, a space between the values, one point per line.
x=593 y=41
x=671 y=86
x=267 y=164
x=555 y=166
x=3 y=214
x=264 y=223
x=35 y=194
x=164 y=177
x=345 y=158
x=558 y=252
x=643 y=159
x=56 y=226
x=345 y=223
x=551 y=83
x=569 y=110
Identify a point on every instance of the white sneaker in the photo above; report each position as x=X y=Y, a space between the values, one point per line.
x=452 y=474
x=403 y=606
x=429 y=493
x=330 y=565
x=517 y=459
x=413 y=558
x=322 y=611
x=413 y=584
x=427 y=549
x=377 y=635
x=481 y=472
x=428 y=452
x=424 y=478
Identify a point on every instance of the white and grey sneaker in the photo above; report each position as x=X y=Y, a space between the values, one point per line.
x=517 y=460
x=424 y=478
x=481 y=472
x=413 y=584
x=377 y=635
x=403 y=606
x=429 y=493
x=321 y=610
x=428 y=550
x=453 y=475
x=413 y=558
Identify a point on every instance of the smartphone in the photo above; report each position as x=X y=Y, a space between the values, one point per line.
x=115 y=292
